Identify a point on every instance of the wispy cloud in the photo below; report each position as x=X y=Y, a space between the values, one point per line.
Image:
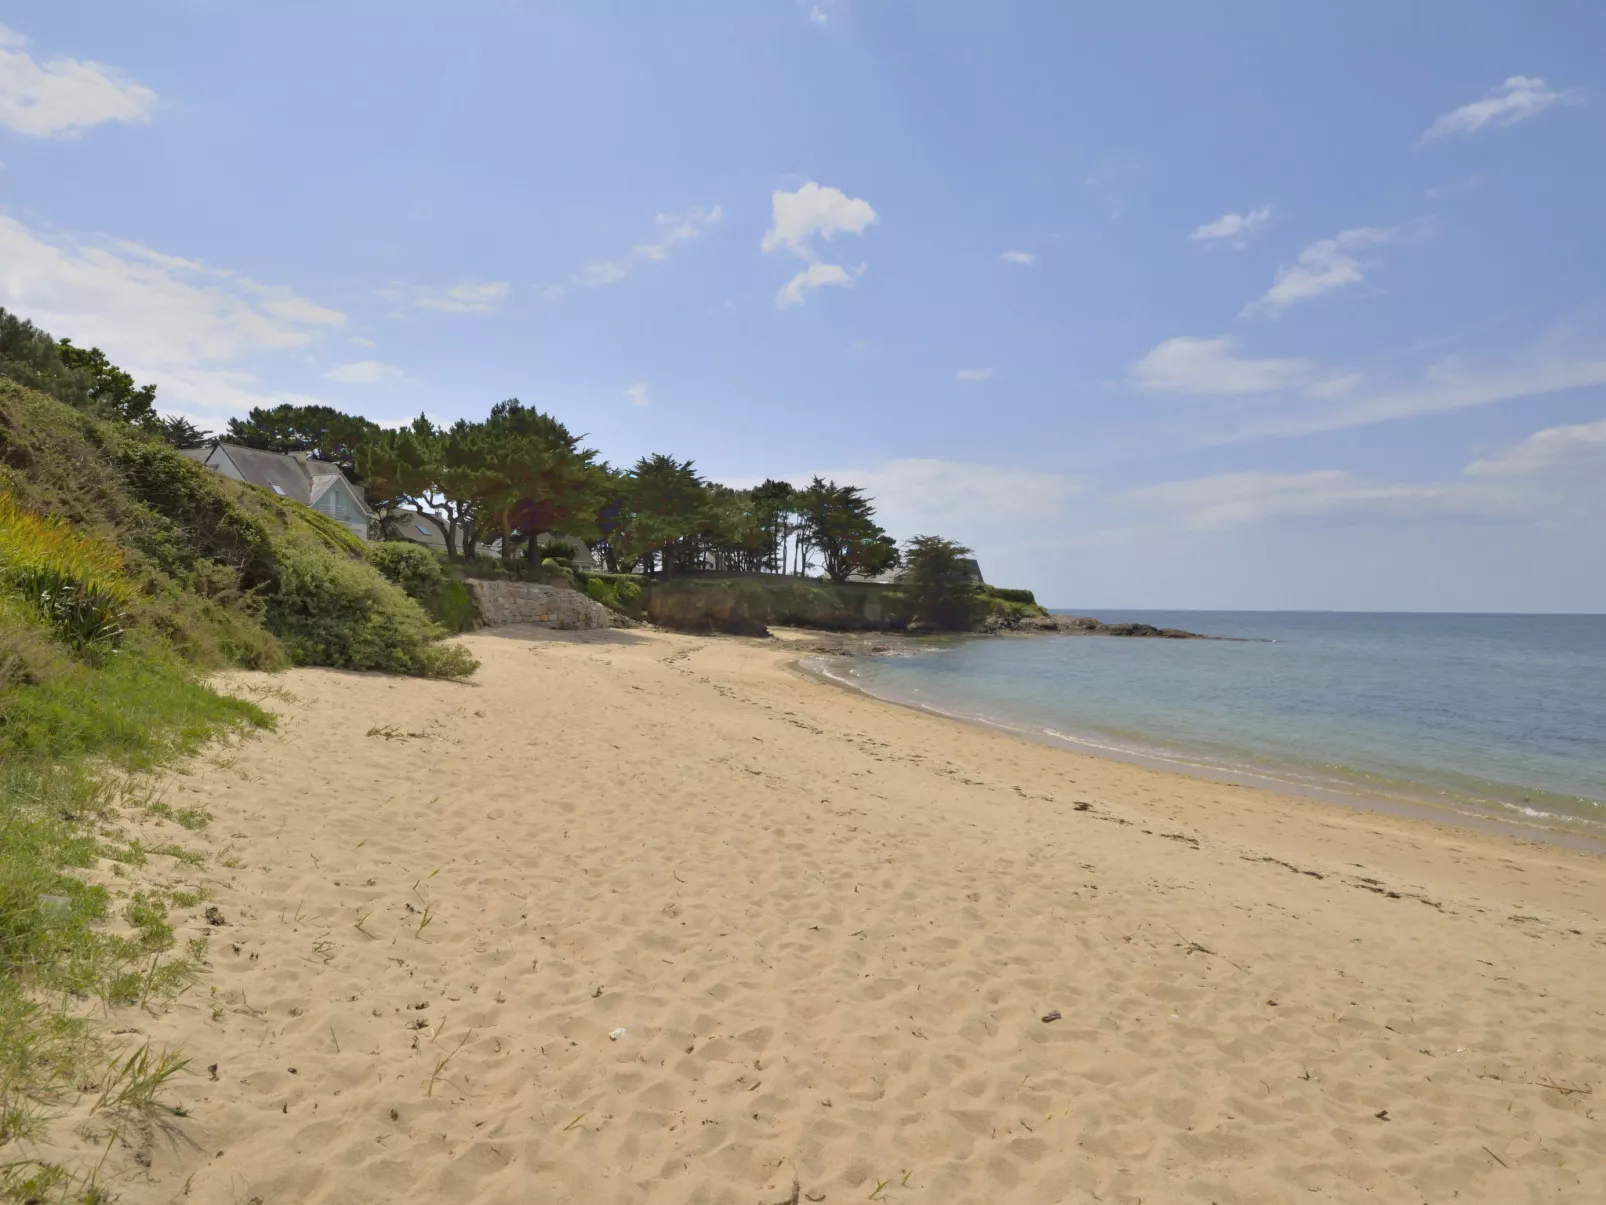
x=60 y=98
x=1557 y=474
x=1452 y=384
x=148 y=307
x=670 y=231
x=362 y=372
x=973 y=374
x=636 y=394
x=181 y=323
x=1233 y=228
x=1556 y=450
x=1236 y=499
x=1284 y=397
x=673 y=229
x=470 y=297
x=1519 y=98
x=1108 y=183
x=798 y=218
x=1187 y=364
x=963 y=500
x=1325 y=265
x=1024 y=258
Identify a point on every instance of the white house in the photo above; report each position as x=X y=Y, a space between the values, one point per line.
x=315 y=483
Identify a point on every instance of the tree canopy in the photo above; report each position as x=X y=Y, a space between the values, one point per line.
x=939 y=583
x=838 y=522
x=83 y=378
x=519 y=474
x=322 y=432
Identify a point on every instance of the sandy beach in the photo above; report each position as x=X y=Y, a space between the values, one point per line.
x=637 y=917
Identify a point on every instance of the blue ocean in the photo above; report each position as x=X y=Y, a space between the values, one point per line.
x=1489 y=714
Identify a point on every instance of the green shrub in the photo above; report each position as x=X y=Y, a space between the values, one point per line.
x=1011 y=595
x=329 y=610
x=419 y=573
x=617 y=592
x=411 y=566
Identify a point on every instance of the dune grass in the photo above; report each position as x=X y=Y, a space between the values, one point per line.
x=64 y=956
x=81 y=703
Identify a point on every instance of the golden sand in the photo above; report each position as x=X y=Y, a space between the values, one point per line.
x=636 y=917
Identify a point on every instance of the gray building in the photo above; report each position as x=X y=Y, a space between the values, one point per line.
x=293 y=475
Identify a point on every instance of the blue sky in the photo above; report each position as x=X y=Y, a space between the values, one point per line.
x=1229 y=305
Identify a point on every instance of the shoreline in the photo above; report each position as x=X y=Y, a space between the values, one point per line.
x=1415 y=800
x=643 y=917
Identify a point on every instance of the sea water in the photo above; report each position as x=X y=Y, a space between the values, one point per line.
x=1504 y=714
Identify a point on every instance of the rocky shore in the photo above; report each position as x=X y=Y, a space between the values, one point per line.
x=1084 y=625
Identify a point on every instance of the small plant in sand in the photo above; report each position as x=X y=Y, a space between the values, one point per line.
x=130 y=1085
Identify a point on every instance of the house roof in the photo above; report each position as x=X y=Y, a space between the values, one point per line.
x=410 y=525
x=288 y=475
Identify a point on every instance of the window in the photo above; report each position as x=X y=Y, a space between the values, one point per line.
x=280 y=492
x=422 y=530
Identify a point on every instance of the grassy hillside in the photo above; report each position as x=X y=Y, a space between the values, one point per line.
x=126 y=572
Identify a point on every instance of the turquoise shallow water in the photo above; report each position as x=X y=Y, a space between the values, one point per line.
x=1503 y=714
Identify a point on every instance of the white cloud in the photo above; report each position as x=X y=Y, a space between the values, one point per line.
x=813 y=277
x=977 y=504
x=814 y=210
x=363 y=372
x=1235 y=499
x=1187 y=364
x=1325 y=265
x=1024 y=258
x=1556 y=475
x=636 y=395
x=973 y=374
x=147 y=308
x=797 y=218
x=1233 y=228
x=62 y=97
x=606 y=272
x=180 y=323
x=1517 y=99
x=1555 y=450
x=674 y=230
x=1447 y=386
x=470 y=297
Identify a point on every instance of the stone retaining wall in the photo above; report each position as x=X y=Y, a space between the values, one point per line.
x=550 y=606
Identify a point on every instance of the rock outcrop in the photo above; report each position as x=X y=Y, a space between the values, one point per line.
x=1085 y=625
x=548 y=606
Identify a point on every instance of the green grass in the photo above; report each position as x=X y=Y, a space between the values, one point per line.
x=141 y=707
x=63 y=953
